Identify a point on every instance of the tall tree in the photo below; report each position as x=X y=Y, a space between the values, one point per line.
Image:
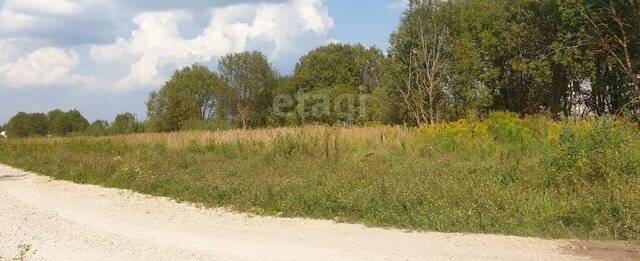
x=57 y=124
x=78 y=123
x=98 y=128
x=332 y=71
x=125 y=123
x=28 y=124
x=333 y=64
x=250 y=79
x=419 y=46
x=615 y=31
x=192 y=93
x=63 y=123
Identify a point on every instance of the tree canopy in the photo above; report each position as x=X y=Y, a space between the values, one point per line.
x=562 y=58
x=27 y=125
x=250 y=81
x=331 y=72
x=124 y=123
x=63 y=123
x=192 y=93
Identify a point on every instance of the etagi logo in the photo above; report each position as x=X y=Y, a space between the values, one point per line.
x=346 y=107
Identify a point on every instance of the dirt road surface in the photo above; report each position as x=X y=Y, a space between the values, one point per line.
x=60 y=220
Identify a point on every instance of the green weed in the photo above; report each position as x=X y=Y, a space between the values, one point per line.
x=506 y=175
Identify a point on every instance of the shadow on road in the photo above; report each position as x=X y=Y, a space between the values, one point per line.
x=11 y=177
x=597 y=250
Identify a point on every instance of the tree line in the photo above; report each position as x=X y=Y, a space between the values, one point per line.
x=447 y=60
x=58 y=123
x=557 y=57
x=246 y=90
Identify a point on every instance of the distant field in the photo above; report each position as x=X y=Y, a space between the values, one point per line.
x=529 y=177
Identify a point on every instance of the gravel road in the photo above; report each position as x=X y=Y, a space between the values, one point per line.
x=60 y=220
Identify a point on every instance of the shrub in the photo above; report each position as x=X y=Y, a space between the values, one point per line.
x=591 y=151
x=455 y=136
x=507 y=127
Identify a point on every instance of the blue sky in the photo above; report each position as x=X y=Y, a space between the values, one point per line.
x=103 y=57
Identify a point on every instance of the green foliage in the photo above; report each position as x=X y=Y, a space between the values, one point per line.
x=57 y=123
x=251 y=80
x=126 y=123
x=531 y=177
x=447 y=60
x=420 y=48
x=289 y=146
x=595 y=151
x=339 y=64
x=611 y=31
x=333 y=71
x=64 y=123
x=529 y=57
x=493 y=172
x=506 y=127
x=28 y=124
x=75 y=121
x=192 y=93
x=99 y=128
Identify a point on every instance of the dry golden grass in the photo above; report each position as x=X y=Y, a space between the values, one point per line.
x=379 y=134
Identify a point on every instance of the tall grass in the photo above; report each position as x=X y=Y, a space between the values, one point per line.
x=505 y=175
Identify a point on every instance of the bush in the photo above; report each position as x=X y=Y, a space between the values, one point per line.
x=592 y=151
x=507 y=127
x=456 y=136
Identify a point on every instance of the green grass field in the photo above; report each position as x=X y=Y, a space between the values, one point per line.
x=529 y=177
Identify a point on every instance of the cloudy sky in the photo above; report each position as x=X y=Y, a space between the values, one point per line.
x=103 y=57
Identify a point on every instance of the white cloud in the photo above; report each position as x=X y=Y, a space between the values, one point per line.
x=398 y=5
x=13 y=48
x=43 y=67
x=276 y=28
x=61 y=22
x=17 y=15
x=9 y=48
x=11 y=21
x=52 y=7
x=38 y=38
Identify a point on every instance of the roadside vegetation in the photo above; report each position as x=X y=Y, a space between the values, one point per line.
x=518 y=117
x=505 y=175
